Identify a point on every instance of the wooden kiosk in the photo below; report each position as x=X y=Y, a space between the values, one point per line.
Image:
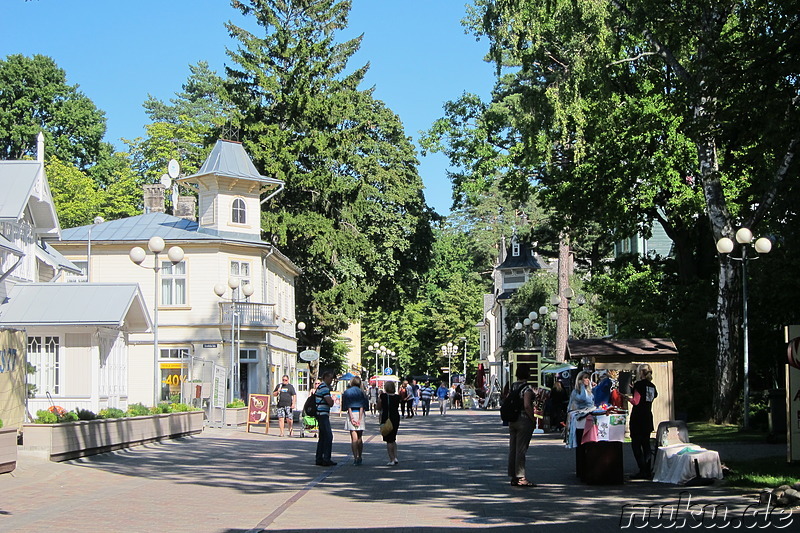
x=625 y=356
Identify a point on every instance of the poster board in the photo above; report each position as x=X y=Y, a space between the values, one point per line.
x=792 y=396
x=337 y=402
x=258 y=407
x=13 y=387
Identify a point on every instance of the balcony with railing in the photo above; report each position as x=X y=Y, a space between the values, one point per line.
x=248 y=314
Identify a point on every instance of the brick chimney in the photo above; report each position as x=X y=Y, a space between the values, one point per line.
x=186 y=207
x=153 y=198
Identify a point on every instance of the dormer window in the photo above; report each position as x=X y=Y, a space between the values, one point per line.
x=515 y=248
x=239 y=212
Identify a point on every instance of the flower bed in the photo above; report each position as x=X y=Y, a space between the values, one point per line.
x=68 y=440
x=8 y=450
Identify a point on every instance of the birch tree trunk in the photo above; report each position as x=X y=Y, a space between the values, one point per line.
x=562 y=323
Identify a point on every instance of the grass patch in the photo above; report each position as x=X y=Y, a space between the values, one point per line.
x=705 y=432
x=763 y=472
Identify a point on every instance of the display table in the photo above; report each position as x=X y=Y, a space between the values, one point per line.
x=675 y=463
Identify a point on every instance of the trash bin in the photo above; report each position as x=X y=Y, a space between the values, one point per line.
x=777 y=411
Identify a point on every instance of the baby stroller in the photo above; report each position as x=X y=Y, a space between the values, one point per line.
x=309 y=426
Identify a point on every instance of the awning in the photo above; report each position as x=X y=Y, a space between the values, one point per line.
x=555 y=369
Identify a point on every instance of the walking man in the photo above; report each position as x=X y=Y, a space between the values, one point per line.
x=324 y=401
x=287 y=399
x=442 y=393
x=426 y=394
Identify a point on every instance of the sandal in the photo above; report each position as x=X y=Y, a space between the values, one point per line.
x=522 y=482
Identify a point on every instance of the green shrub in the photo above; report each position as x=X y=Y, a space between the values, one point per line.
x=137 y=409
x=111 y=412
x=1 y=423
x=71 y=416
x=180 y=408
x=43 y=416
x=236 y=403
x=160 y=409
x=85 y=414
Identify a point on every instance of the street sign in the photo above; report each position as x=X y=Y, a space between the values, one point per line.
x=793 y=352
x=387 y=371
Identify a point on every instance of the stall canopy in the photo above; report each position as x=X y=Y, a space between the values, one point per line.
x=640 y=349
x=558 y=368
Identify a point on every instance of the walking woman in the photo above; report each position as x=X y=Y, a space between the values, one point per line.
x=355 y=404
x=641 y=425
x=580 y=401
x=390 y=405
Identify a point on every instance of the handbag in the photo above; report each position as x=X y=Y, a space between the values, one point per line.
x=387 y=427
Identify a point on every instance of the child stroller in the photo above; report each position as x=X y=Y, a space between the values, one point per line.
x=309 y=426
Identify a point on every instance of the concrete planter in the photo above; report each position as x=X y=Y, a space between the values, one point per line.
x=69 y=440
x=8 y=449
x=235 y=416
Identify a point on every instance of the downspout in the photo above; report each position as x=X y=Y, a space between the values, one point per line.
x=268 y=355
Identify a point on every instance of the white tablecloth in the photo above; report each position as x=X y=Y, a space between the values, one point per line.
x=675 y=463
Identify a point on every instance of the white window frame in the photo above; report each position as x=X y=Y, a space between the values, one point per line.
x=173 y=354
x=235 y=268
x=170 y=281
x=47 y=377
x=239 y=211
x=248 y=355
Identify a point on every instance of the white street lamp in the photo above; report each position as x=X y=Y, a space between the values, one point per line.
x=220 y=290
x=137 y=254
x=763 y=246
x=97 y=220
x=449 y=350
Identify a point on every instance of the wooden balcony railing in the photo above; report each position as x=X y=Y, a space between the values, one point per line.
x=249 y=314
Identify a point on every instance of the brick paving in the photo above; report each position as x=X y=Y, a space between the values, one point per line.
x=451 y=477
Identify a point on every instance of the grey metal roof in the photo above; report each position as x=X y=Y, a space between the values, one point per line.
x=82 y=304
x=229 y=158
x=142 y=227
x=52 y=257
x=18 y=181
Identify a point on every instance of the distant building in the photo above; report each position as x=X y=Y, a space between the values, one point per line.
x=658 y=244
x=515 y=266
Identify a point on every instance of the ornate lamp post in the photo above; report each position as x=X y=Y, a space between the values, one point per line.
x=247 y=290
x=449 y=350
x=763 y=246
x=137 y=254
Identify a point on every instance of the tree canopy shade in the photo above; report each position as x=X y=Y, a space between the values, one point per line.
x=34 y=97
x=626 y=113
x=352 y=215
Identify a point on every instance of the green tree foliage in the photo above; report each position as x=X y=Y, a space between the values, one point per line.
x=34 y=97
x=625 y=113
x=352 y=215
x=185 y=128
x=449 y=304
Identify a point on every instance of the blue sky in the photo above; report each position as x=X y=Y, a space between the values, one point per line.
x=121 y=51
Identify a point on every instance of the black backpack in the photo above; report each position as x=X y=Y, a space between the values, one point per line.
x=512 y=406
x=310 y=407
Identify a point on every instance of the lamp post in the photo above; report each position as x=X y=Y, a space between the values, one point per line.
x=763 y=246
x=531 y=326
x=465 y=357
x=449 y=350
x=220 y=290
x=137 y=254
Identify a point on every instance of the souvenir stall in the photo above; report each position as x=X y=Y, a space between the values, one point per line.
x=597 y=433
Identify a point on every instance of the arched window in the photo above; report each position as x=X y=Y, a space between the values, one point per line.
x=239 y=213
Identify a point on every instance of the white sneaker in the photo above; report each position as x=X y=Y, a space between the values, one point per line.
x=391 y=463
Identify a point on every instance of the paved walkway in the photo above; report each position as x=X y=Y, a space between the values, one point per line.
x=451 y=477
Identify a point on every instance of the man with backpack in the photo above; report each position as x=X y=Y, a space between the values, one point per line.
x=517 y=410
x=324 y=401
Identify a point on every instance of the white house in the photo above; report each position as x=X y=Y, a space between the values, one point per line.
x=77 y=337
x=515 y=266
x=198 y=331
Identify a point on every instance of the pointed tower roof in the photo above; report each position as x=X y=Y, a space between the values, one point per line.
x=229 y=159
